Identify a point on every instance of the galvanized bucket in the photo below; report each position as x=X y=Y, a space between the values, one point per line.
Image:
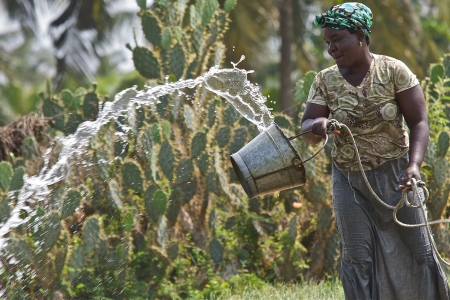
x=269 y=163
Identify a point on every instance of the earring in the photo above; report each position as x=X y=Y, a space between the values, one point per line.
x=360 y=44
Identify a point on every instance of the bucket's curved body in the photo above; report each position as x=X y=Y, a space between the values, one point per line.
x=268 y=163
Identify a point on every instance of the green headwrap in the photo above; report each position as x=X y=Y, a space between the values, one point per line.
x=350 y=15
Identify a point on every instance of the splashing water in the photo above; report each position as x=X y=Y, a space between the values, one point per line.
x=231 y=84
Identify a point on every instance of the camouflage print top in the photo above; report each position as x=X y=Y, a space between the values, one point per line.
x=369 y=110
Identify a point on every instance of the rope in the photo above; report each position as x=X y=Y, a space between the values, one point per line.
x=335 y=125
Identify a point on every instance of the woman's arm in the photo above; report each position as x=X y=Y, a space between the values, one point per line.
x=414 y=110
x=315 y=118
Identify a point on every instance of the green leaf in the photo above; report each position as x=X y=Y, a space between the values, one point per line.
x=166 y=39
x=6 y=173
x=436 y=73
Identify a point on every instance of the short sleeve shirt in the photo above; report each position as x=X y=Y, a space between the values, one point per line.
x=370 y=110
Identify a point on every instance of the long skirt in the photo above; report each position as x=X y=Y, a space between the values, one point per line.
x=379 y=258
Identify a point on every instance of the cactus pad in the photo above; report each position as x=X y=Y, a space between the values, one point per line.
x=283 y=122
x=446 y=64
x=166 y=38
x=132 y=177
x=230 y=115
x=198 y=144
x=174 y=207
x=21 y=251
x=443 y=144
x=128 y=222
x=223 y=136
x=292 y=230
x=177 y=61
x=72 y=123
x=216 y=251
x=146 y=63
x=239 y=139
x=30 y=148
x=166 y=129
x=149 y=201
x=172 y=251
x=156 y=134
x=90 y=106
x=70 y=204
x=76 y=263
x=47 y=235
x=91 y=232
x=114 y=193
x=161 y=233
x=203 y=163
x=151 y=26
x=54 y=111
x=209 y=8
x=166 y=159
x=4 y=209
x=188 y=115
x=229 y=5
x=189 y=190
x=6 y=173
x=184 y=171
x=17 y=179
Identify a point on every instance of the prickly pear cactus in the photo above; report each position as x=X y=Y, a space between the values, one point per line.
x=155 y=199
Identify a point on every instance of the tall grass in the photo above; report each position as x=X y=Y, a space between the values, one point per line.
x=329 y=290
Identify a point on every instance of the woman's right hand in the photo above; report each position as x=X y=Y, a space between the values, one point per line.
x=319 y=127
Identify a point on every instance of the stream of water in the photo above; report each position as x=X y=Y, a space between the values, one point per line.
x=231 y=84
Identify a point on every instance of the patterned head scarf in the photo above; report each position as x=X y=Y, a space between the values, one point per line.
x=350 y=15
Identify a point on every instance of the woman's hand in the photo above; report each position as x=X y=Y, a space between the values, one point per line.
x=413 y=171
x=319 y=127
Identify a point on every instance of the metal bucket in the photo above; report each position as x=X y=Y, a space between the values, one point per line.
x=269 y=163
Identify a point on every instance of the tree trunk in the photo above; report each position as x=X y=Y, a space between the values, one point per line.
x=286 y=90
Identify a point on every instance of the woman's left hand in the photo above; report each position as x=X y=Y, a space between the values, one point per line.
x=413 y=171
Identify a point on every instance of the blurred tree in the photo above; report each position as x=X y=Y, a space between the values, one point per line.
x=78 y=31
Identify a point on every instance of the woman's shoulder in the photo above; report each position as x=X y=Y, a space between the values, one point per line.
x=327 y=71
x=387 y=61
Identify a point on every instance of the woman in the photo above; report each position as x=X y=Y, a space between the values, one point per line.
x=372 y=94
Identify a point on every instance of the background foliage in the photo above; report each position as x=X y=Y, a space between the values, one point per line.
x=156 y=211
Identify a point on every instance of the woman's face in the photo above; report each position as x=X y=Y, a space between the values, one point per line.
x=343 y=46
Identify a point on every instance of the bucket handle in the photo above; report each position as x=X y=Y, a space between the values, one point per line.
x=317 y=152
